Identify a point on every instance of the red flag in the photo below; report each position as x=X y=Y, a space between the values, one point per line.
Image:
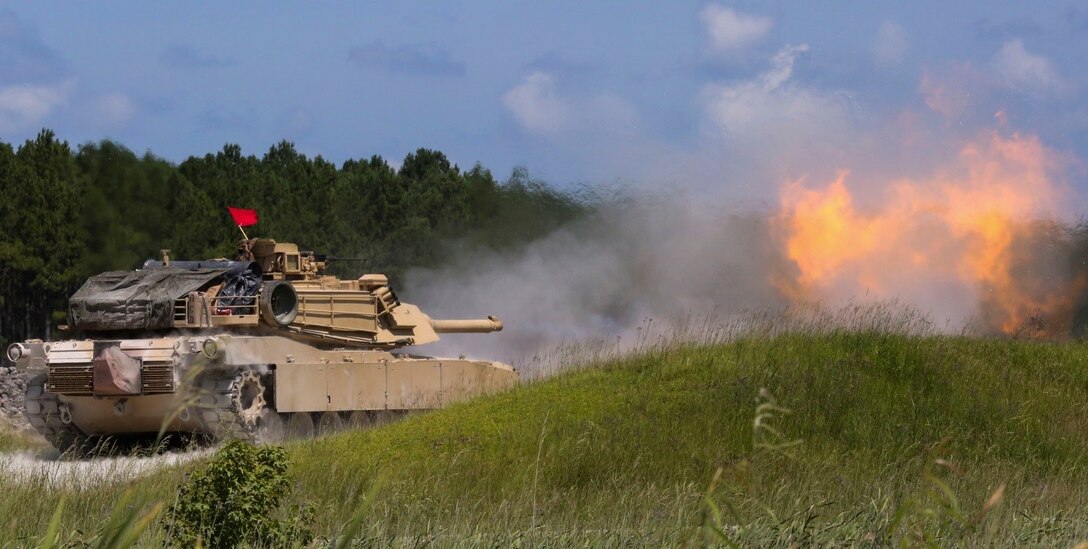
x=243 y=217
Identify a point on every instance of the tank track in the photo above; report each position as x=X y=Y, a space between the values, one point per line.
x=43 y=411
x=227 y=413
x=218 y=407
x=221 y=405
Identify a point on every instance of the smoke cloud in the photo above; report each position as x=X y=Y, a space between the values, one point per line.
x=796 y=194
x=656 y=258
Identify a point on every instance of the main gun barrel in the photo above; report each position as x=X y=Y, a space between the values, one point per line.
x=474 y=326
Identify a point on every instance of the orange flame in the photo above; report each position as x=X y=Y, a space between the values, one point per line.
x=960 y=231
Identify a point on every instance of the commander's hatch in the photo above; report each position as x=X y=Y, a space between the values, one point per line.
x=281 y=260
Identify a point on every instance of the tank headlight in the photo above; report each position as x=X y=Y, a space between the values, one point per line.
x=15 y=352
x=210 y=348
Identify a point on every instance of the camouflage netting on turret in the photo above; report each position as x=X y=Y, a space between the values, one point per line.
x=134 y=300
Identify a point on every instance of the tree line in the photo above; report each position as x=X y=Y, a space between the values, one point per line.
x=66 y=214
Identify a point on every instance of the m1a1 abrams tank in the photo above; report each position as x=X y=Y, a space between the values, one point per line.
x=259 y=347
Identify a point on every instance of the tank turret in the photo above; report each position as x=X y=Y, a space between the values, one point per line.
x=269 y=288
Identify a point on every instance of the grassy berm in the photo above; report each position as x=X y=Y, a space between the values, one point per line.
x=843 y=438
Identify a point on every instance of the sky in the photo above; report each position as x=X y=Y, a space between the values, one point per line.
x=577 y=92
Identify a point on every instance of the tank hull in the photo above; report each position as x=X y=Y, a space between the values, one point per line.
x=227 y=385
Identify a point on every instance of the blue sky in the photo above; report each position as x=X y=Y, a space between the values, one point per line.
x=575 y=91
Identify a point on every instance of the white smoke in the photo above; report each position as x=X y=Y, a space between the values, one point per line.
x=650 y=260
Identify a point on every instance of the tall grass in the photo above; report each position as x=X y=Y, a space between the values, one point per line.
x=713 y=328
x=896 y=432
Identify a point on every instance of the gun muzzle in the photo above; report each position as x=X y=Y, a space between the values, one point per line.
x=474 y=326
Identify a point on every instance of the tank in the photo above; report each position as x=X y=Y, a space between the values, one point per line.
x=263 y=347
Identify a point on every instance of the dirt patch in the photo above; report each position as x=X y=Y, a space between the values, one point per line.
x=28 y=467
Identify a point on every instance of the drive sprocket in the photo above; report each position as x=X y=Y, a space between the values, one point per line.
x=248 y=399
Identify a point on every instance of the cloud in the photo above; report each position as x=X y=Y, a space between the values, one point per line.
x=24 y=57
x=540 y=109
x=180 y=56
x=34 y=80
x=753 y=131
x=406 y=59
x=26 y=105
x=891 y=45
x=770 y=106
x=114 y=109
x=767 y=119
x=730 y=30
x=1020 y=70
x=536 y=105
x=949 y=90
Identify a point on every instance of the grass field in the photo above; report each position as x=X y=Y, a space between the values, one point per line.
x=863 y=437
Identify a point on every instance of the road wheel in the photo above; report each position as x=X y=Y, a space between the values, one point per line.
x=360 y=420
x=329 y=423
x=270 y=428
x=300 y=425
